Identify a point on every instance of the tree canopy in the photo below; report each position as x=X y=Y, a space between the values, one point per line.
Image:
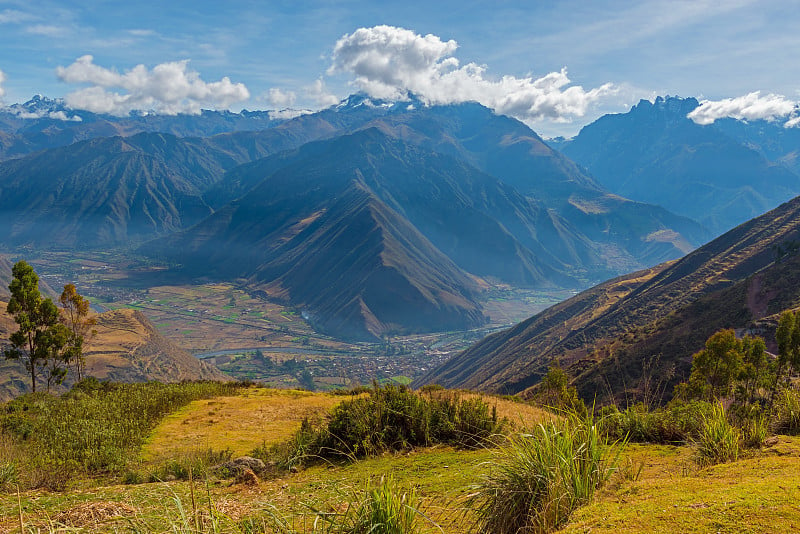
x=46 y=341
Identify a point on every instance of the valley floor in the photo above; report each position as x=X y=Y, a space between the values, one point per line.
x=657 y=489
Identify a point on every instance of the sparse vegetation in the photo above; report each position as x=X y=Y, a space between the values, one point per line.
x=383 y=509
x=96 y=428
x=718 y=440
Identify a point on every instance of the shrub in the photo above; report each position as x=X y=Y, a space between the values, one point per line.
x=391 y=418
x=718 y=441
x=755 y=430
x=543 y=476
x=677 y=422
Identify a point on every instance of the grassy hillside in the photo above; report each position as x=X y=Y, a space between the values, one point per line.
x=656 y=487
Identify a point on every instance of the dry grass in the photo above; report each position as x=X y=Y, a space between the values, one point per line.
x=93 y=514
x=519 y=414
x=239 y=423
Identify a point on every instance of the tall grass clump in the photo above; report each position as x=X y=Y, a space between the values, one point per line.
x=97 y=426
x=718 y=441
x=383 y=509
x=786 y=411
x=392 y=418
x=543 y=476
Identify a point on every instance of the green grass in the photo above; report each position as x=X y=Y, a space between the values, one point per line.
x=543 y=476
x=560 y=473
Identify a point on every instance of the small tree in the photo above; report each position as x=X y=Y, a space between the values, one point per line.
x=57 y=350
x=717 y=366
x=788 y=337
x=36 y=316
x=555 y=391
x=76 y=318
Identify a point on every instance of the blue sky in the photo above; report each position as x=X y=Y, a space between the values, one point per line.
x=307 y=54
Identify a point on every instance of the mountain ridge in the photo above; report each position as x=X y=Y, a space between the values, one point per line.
x=654 y=153
x=614 y=323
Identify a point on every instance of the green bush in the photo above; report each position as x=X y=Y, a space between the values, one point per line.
x=543 y=476
x=677 y=422
x=391 y=418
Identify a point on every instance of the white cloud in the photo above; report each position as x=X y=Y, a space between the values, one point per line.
x=286 y=114
x=794 y=122
x=281 y=99
x=319 y=94
x=390 y=62
x=751 y=106
x=48 y=30
x=59 y=115
x=142 y=33
x=168 y=89
x=12 y=16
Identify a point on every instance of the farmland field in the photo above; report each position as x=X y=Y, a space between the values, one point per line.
x=250 y=337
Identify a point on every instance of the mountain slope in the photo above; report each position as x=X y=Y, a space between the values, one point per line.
x=113 y=191
x=320 y=233
x=482 y=224
x=631 y=234
x=98 y=193
x=606 y=334
x=655 y=154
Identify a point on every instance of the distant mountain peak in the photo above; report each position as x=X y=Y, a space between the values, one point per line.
x=363 y=100
x=42 y=107
x=668 y=105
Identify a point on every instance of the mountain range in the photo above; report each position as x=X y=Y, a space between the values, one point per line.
x=378 y=218
x=372 y=217
x=720 y=174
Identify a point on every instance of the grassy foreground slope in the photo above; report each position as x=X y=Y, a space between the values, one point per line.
x=658 y=488
x=755 y=494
